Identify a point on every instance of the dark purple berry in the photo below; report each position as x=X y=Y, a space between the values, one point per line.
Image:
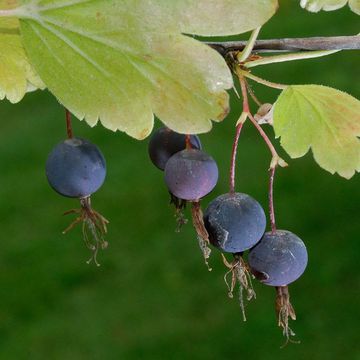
x=164 y=143
x=279 y=258
x=235 y=222
x=75 y=168
x=191 y=174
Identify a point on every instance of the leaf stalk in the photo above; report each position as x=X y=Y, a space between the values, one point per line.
x=289 y=57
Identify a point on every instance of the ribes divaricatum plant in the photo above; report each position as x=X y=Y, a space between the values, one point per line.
x=121 y=62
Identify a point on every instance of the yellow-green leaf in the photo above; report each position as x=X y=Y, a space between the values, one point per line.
x=121 y=61
x=330 y=5
x=16 y=74
x=355 y=6
x=323 y=119
x=219 y=17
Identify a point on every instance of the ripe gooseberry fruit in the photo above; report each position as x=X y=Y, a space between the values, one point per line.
x=235 y=222
x=279 y=258
x=191 y=174
x=76 y=168
x=164 y=143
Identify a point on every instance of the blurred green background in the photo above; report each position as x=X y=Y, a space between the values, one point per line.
x=153 y=298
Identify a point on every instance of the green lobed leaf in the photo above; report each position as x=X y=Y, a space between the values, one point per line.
x=16 y=74
x=121 y=61
x=330 y=5
x=323 y=119
x=219 y=17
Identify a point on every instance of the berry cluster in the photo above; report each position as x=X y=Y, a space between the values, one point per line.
x=233 y=222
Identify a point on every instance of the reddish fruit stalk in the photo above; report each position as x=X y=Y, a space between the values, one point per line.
x=271 y=200
x=69 y=129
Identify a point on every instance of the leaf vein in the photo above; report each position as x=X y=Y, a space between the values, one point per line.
x=322 y=119
x=76 y=49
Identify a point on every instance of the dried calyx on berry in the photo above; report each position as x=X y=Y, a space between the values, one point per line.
x=76 y=168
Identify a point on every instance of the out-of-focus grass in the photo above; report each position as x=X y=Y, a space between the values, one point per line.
x=152 y=298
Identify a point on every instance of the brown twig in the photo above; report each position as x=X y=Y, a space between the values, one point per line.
x=291 y=44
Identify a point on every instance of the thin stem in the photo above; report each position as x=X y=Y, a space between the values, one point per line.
x=289 y=57
x=233 y=157
x=265 y=137
x=262 y=81
x=239 y=127
x=258 y=127
x=244 y=55
x=69 y=129
x=276 y=160
x=271 y=200
x=252 y=94
x=293 y=45
x=188 y=142
x=246 y=107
